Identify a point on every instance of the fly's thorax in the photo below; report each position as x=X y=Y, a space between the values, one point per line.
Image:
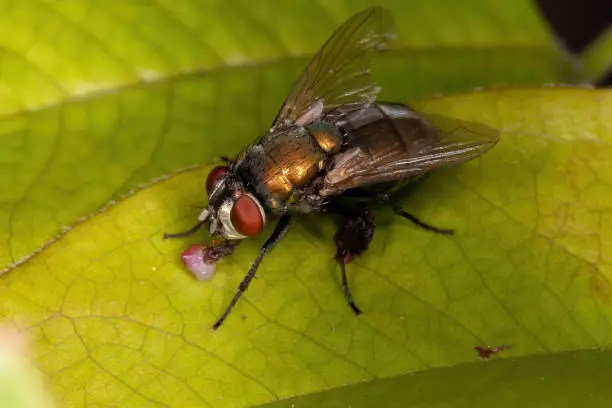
x=292 y=159
x=286 y=161
x=252 y=168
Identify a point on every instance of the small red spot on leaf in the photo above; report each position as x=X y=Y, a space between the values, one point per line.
x=601 y=286
x=486 y=352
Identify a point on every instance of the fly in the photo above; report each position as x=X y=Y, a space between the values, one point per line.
x=332 y=148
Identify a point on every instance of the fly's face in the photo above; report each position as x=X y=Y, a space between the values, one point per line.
x=233 y=212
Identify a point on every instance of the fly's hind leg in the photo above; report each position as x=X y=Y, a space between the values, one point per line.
x=353 y=238
x=444 y=231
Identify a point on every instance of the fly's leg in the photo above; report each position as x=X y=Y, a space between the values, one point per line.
x=420 y=223
x=347 y=291
x=220 y=250
x=182 y=234
x=279 y=232
x=202 y=219
x=226 y=160
x=353 y=238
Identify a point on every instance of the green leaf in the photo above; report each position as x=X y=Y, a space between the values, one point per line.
x=98 y=97
x=116 y=320
x=524 y=382
x=597 y=59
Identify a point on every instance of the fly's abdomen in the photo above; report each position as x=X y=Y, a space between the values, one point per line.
x=379 y=139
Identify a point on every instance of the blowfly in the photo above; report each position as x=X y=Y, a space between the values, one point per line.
x=333 y=148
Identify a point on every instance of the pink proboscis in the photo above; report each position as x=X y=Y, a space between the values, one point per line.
x=194 y=260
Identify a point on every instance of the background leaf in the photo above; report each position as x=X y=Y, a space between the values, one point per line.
x=98 y=97
x=597 y=59
x=117 y=321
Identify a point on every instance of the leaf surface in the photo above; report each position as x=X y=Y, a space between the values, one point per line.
x=116 y=320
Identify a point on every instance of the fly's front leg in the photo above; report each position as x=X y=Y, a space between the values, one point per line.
x=279 y=232
x=220 y=250
x=202 y=219
x=353 y=238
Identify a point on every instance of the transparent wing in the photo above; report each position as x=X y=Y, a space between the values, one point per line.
x=340 y=72
x=407 y=145
x=457 y=142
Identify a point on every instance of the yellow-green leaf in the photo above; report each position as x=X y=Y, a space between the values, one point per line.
x=99 y=96
x=116 y=320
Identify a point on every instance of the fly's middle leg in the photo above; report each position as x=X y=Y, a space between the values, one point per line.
x=353 y=238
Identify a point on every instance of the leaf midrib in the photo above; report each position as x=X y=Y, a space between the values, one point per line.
x=186 y=74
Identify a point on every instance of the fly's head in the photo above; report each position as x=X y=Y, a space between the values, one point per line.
x=233 y=212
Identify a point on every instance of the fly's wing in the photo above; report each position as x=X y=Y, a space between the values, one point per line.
x=339 y=73
x=391 y=142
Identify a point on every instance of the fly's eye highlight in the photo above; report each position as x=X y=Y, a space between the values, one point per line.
x=246 y=216
x=214 y=176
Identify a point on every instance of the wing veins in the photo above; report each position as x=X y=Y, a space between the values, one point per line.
x=339 y=73
x=337 y=55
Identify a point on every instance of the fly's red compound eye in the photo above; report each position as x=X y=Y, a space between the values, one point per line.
x=214 y=176
x=246 y=216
